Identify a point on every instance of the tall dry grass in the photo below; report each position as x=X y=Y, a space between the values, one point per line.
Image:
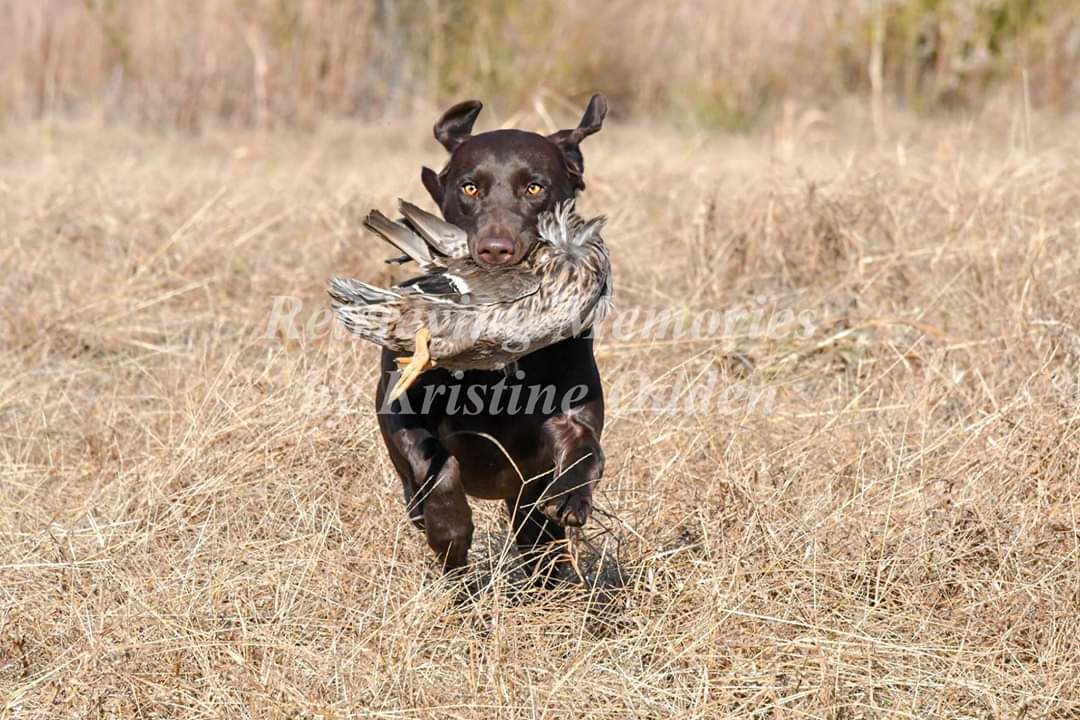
x=185 y=533
x=696 y=62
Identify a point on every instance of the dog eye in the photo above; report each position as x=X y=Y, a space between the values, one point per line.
x=534 y=189
x=470 y=189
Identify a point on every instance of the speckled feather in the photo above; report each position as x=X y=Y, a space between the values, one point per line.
x=482 y=319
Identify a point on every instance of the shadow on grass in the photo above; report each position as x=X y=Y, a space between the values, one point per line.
x=593 y=574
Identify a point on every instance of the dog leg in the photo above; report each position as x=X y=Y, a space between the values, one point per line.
x=539 y=540
x=579 y=465
x=447 y=516
x=416 y=455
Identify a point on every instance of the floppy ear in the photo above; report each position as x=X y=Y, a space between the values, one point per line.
x=569 y=140
x=455 y=126
x=433 y=184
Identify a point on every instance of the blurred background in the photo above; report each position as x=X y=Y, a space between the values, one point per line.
x=695 y=63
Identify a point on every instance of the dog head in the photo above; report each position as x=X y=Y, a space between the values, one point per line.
x=496 y=184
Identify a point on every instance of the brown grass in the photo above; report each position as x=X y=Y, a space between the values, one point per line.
x=185 y=533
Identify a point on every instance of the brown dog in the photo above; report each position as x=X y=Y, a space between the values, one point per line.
x=529 y=435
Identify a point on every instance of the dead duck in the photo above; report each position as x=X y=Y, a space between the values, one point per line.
x=461 y=316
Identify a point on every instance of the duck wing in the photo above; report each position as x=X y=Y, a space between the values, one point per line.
x=448 y=240
x=373 y=313
x=500 y=286
x=466 y=283
x=438 y=285
x=402 y=237
x=349 y=291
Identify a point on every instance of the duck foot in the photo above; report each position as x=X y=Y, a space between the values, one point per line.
x=413 y=367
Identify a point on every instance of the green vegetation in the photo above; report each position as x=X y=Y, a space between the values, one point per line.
x=938 y=53
x=724 y=65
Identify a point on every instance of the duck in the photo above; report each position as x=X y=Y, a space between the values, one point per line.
x=462 y=316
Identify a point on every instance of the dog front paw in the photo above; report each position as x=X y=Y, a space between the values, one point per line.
x=571 y=509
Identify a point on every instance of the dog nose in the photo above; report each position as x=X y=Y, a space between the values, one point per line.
x=495 y=250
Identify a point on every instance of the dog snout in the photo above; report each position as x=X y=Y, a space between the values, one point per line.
x=495 y=249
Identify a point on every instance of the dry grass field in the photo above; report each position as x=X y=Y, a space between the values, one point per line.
x=871 y=512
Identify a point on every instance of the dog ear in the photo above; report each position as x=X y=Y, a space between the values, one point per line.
x=433 y=183
x=570 y=140
x=455 y=126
